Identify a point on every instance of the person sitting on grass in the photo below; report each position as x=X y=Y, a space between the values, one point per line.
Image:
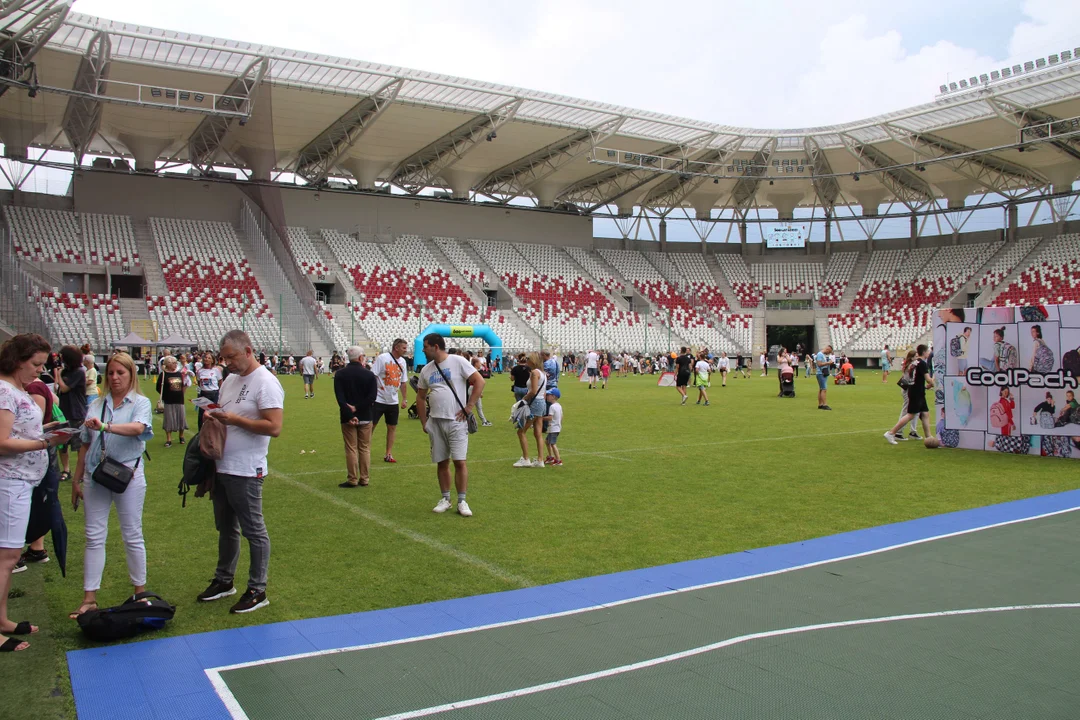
x=554 y=420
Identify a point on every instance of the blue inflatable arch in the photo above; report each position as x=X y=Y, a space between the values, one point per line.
x=484 y=332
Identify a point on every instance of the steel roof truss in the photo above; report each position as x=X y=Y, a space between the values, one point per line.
x=424 y=168
x=25 y=28
x=82 y=118
x=209 y=135
x=320 y=156
x=823 y=179
x=746 y=187
x=514 y=179
x=906 y=186
x=672 y=192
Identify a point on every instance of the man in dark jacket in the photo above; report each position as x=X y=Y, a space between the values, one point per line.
x=356 y=388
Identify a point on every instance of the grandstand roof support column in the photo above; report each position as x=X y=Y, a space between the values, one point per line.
x=209 y=136
x=742 y=234
x=366 y=172
x=261 y=161
x=17 y=134
x=828 y=232
x=145 y=149
x=1012 y=221
x=545 y=193
x=913 y=236
x=663 y=234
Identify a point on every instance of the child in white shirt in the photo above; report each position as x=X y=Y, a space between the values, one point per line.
x=554 y=420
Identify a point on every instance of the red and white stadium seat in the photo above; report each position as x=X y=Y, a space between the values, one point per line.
x=1052 y=279
x=305 y=253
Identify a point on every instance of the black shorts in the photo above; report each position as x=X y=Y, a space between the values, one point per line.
x=682 y=380
x=381 y=410
x=917 y=403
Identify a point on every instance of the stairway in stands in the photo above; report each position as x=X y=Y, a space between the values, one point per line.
x=151 y=261
x=854 y=283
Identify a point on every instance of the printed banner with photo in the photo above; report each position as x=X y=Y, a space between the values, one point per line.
x=1007 y=379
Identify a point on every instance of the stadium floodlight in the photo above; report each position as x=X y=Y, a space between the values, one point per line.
x=716 y=181
x=963 y=84
x=995 y=75
x=1029 y=66
x=199 y=97
x=1066 y=55
x=155 y=92
x=920 y=168
x=943 y=89
x=1017 y=69
x=1052 y=59
x=855 y=177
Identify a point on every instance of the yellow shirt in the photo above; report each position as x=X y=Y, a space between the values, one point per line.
x=91 y=382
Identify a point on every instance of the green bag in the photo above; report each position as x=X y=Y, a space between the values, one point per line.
x=58 y=414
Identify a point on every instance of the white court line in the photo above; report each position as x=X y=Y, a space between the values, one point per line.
x=604 y=453
x=611 y=672
x=230 y=702
x=490 y=568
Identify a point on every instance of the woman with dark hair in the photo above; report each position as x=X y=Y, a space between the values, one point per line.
x=921 y=379
x=24 y=460
x=1005 y=354
x=1042 y=357
x=71 y=387
x=1001 y=413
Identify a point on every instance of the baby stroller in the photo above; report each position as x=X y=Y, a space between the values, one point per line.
x=787 y=383
x=414 y=381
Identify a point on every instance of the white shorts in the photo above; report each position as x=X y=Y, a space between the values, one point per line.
x=449 y=439
x=14 y=512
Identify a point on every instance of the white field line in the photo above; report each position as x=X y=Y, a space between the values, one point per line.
x=222 y=689
x=622 y=669
x=467 y=558
x=607 y=453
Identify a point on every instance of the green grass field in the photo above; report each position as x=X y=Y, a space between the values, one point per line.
x=645 y=482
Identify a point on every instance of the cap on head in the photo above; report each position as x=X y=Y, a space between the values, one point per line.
x=554 y=392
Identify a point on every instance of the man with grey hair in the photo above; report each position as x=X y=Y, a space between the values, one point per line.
x=355 y=388
x=252 y=402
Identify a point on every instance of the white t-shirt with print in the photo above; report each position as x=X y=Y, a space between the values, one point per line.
x=389 y=374
x=702 y=367
x=591 y=360
x=440 y=401
x=30 y=466
x=209 y=379
x=722 y=363
x=247 y=396
x=555 y=424
x=307 y=365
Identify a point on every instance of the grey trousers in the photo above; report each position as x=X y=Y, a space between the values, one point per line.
x=238 y=511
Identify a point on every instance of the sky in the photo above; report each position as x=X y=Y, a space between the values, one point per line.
x=771 y=64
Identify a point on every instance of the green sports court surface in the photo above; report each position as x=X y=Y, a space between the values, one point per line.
x=973 y=614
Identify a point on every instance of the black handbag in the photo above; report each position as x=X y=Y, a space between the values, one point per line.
x=112 y=474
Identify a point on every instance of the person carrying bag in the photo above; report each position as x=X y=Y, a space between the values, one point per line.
x=117 y=478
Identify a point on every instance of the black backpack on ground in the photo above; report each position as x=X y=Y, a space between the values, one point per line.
x=136 y=615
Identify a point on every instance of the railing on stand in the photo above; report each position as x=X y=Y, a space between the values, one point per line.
x=17 y=287
x=293 y=297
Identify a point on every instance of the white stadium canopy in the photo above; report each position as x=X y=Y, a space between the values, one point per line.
x=82 y=84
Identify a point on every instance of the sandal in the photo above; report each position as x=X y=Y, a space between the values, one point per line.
x=168 y=444
x=65 y=476
x=23 y=628
x=12 y=645
x=84 y=608
x=181 y=441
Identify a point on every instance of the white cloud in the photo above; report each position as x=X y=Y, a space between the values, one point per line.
x=782 y=63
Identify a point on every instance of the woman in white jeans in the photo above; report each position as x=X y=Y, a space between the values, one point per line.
x=119 y=421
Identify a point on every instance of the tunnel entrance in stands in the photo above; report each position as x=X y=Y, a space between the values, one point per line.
x=790 y=337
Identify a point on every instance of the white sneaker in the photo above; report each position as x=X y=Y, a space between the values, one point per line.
x=891 y=438
x=442 y=507
x=523 y=462
x=463 y=509
x=538 y=463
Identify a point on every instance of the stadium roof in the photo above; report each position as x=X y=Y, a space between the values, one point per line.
x=104 y=87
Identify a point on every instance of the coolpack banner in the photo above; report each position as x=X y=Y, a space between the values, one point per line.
x=1006 y=379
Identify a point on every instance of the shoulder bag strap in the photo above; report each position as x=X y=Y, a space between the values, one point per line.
x=450 y=385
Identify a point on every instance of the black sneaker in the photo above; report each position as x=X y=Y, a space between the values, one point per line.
x=915 y=436
x=826 y=407
x=216 y=591
x=34 y=556
x=251 y=600
x=19 y=567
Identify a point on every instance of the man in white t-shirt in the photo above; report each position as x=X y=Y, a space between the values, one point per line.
x=308 y=369
x=252 y=402
x=592 y=367
x=444 y=386
x=390 y=371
